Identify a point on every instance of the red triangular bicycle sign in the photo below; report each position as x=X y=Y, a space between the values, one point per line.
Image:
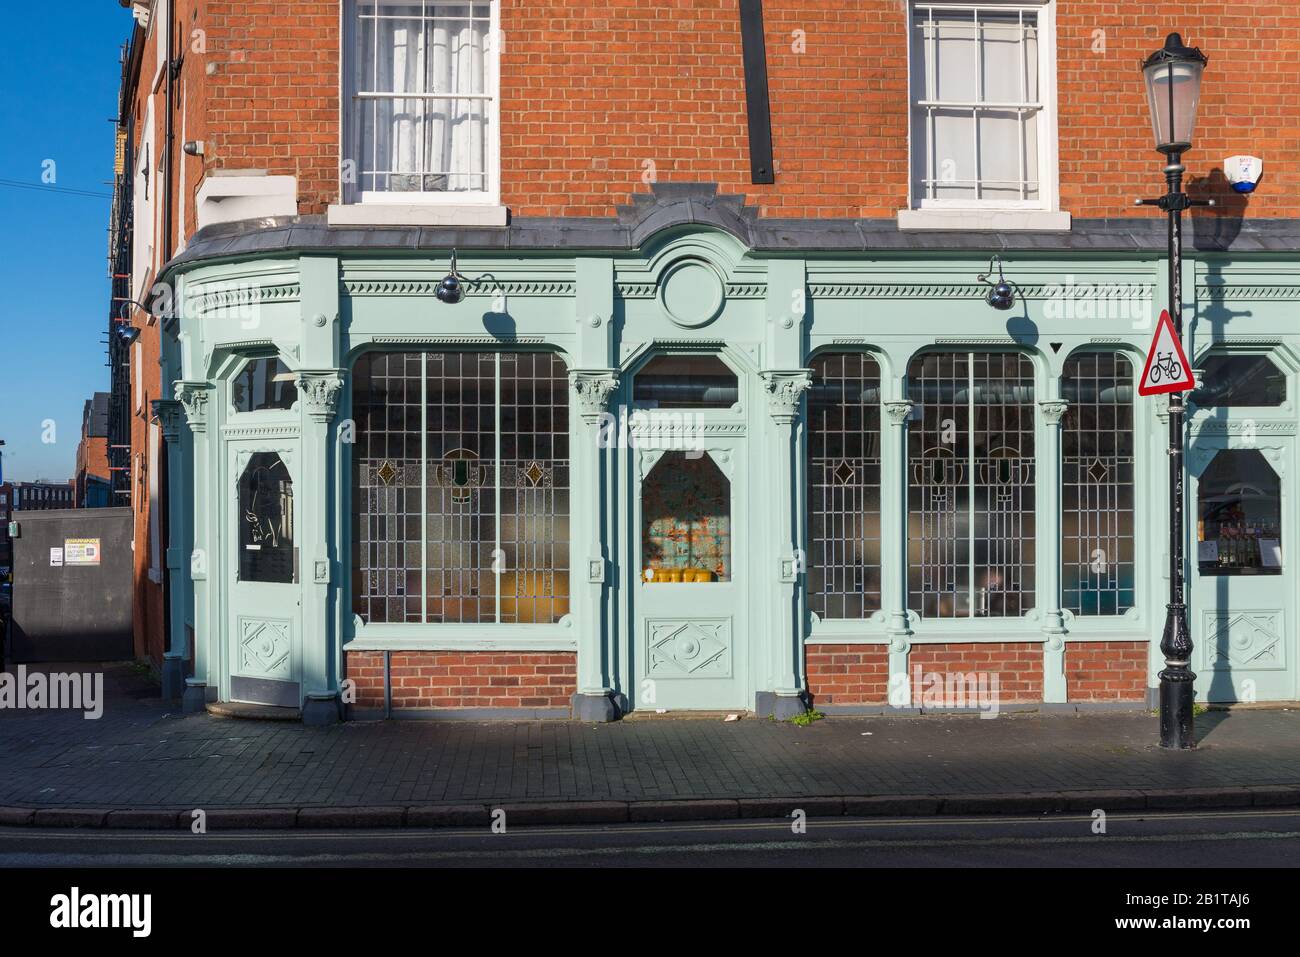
x=1167 y=368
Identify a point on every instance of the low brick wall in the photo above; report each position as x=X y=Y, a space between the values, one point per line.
x=1018 y=666
x=848 y=674
x=1106 y=670
x=465 y=679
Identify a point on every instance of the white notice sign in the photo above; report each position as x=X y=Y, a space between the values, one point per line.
x=56 y=557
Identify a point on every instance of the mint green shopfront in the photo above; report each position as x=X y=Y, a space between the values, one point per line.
x=690 y=459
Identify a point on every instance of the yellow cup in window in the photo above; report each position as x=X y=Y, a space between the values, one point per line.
x=670 y=574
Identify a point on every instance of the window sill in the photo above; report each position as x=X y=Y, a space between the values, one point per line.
x=984 y=220
x=416 y=214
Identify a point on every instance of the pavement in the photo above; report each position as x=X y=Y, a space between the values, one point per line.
x=145 y=765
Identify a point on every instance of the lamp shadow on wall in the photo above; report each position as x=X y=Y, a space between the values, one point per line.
x=1021 y=328
x=1213 y=229
x=499 y=325
x=1216 y=228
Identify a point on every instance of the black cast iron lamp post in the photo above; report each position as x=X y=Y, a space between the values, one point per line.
x=1173 y=81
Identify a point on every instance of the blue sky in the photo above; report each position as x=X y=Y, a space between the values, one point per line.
x=61 y=72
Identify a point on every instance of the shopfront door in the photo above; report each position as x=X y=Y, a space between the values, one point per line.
x=264 y=640
x=1243 y=576
x=690 y=614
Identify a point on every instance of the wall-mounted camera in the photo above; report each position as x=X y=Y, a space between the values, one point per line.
x=1243 y=172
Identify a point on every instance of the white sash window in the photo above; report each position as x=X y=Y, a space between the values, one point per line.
x=423 y=105
x=982 y=89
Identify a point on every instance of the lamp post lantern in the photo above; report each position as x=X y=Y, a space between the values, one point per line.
x=1173 y=82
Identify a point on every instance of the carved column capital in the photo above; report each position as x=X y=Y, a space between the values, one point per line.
x=899 y=411
x=193 y=397
x=320 y=390
x=784 y=390
x=592 y=387
x=169 y=414
x=1053 y=410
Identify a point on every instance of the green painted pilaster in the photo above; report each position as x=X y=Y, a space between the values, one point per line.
x=781 y=564
x=1051 y=412
x=193 y=397
x=893 y=550
x=592 y=381
x=320 y=384
x=169 y=414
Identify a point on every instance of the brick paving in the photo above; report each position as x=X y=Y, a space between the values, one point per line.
x=142 y=754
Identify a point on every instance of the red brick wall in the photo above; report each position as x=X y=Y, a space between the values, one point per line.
x=1106 y=670
x=591 y=92
x=1018 y=665
x=273 y=91
x=847 y=674
x=469 y=679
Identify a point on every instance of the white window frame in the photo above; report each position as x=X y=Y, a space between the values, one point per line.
x=352 y=193
x=955 y=213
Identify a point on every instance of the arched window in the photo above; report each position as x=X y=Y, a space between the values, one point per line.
x=843 y=577
x=1097 y=516
x=460 y=474
x=970 y=497
x=686 y=520
x=263 y=384
x=266 y=552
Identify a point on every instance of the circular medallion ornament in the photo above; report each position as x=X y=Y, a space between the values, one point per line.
x=691 y=292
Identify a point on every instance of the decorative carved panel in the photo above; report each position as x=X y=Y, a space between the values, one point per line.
x=1243 y=641
x=688 y=648
x=266 y=648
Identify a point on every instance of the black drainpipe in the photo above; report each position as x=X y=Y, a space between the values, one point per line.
x=169 y=136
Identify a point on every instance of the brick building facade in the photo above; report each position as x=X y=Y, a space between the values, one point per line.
x=895 y=477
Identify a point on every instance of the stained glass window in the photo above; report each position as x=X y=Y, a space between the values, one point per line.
x=843 y=576
x=686 y=520
x=971 y=485
x=461 y=487
x=1097 y=485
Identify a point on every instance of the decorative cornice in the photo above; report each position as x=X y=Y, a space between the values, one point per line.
x=784 y=390
x=238 y=345
x=898 y=411
x=202 y=303
x=169 y=413
x=457 y=340
x=193 y=397
x=320 y=390
x=428 y=287
x=1053 y=410
x=650 y=428
x=1252 y=427
x=630 y=289
x=280 y=430
x=593 y=387
x=1236 y=291
x=975 y=290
